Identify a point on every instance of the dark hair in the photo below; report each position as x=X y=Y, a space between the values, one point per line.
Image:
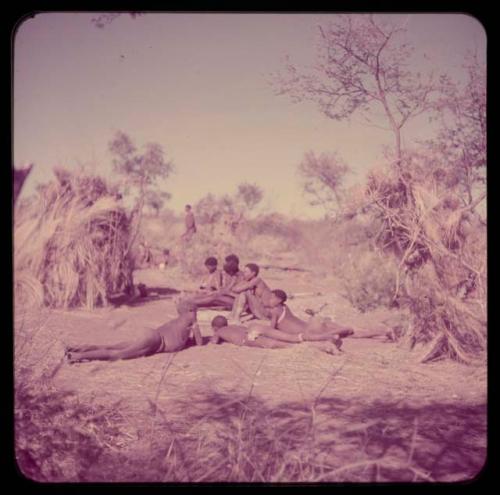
x=231 y=268
x=280 y=294
x=188 y=206
x=166 y=251
x=211 y=261
x=255 y=268
x=219 y=321
x=233 y=258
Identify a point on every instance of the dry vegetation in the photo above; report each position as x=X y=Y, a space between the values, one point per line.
x=409 y=240
x=440 y=246
x=194 y=417
x=64 y=435
x=70 y=244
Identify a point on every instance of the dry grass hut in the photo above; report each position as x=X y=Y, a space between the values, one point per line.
x=439 y=243
x=70 y=243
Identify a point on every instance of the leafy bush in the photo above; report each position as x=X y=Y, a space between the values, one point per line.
x=367 y=278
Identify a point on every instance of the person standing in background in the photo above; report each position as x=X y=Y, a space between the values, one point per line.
x=190 y=224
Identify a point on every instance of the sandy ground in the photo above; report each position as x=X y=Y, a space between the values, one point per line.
x=372 y=376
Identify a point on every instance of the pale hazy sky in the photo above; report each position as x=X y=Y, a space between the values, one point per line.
x=198 y=84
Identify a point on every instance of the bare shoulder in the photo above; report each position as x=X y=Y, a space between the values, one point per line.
x=276 y=311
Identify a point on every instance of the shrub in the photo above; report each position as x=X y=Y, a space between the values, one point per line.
x=368 y=278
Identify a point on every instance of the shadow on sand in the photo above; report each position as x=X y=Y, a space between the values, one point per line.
x=329 y=439
x=144 y=296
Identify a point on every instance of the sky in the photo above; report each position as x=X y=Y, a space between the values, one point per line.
x=199 y=85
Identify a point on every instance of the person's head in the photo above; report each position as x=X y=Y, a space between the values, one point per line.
x=232 y=258
x=186 y=307
x=251 y=270
x=211 y=264
x=278 y=297
x=187 y=208
x=166 y=252
x=218 y=322
x=231 y=268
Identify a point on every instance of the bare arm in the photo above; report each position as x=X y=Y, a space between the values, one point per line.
x=243 y=286
x=197 y=334
x=228 y=288
x=274 y=318
x=218 y=281
x=261 y=330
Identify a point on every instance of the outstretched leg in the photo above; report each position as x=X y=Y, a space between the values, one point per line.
x=270 y=343
x=144 y=346
x=93 y=347
x=255 y=330
x=323 y=329
x=209 y=300
x=267 y=343
x=238 y=305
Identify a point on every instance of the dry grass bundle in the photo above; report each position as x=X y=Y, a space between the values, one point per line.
x=440 y=246
x=72 y=239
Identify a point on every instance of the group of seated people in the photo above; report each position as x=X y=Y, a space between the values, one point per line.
x=245 y=294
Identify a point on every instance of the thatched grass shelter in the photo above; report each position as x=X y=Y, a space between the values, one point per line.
x=71 y=243
x=439 y=242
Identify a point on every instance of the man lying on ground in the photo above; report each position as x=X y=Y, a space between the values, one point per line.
x=253 y=294
x=169 y=337
x=240 y=335
x=283 y=320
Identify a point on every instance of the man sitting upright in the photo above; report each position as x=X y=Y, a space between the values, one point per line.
x=223 y=297
x=253 y=294
x=212 y=281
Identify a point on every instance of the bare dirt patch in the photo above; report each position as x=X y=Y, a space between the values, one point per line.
x=374 y=409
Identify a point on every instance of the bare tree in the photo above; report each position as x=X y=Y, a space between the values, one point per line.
x=155 y=199
x=324 y=175
x=461 y=142
x=249 y=194
x=363 y=67
x=230 y=209
x=141 y=171
x=210 y=209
